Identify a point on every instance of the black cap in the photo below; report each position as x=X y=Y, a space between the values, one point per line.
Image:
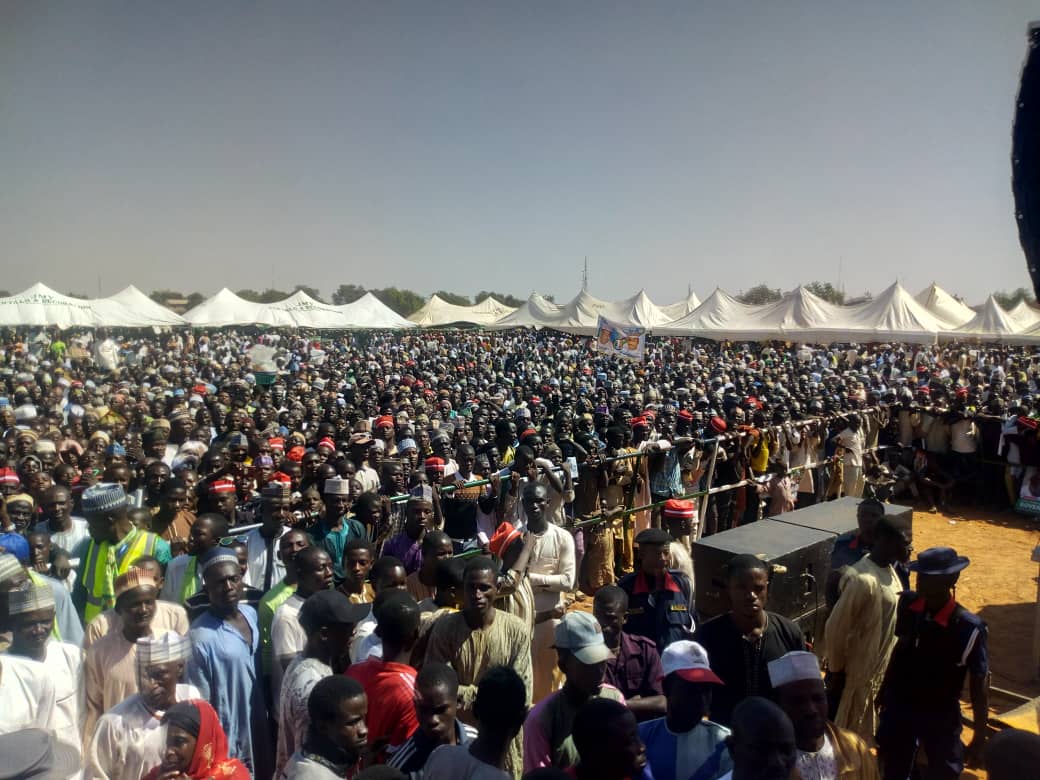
x=654 y=536
x=328 y=607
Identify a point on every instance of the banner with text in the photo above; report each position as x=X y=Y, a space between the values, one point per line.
x=623 y=341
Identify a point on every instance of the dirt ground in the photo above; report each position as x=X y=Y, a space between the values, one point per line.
x=999 y=585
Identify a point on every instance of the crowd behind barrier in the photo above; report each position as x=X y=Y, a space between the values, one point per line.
x=267 y=483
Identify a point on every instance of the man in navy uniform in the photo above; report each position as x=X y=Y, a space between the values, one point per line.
x=659 y=599
x=939 y=642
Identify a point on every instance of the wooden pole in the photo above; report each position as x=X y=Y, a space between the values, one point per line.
x=1036 y=619
x=702 y=514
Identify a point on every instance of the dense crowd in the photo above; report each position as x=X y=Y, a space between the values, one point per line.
x=463 y=554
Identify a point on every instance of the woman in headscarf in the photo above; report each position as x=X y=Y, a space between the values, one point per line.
x=196 y=746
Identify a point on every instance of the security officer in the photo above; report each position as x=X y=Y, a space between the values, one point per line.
x=659 y=599
x=938 y=643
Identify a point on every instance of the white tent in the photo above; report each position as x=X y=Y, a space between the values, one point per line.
x=638 y=310
x=226 y=308
x=437 y=312
x=131 y=308
x=798 y=315
x=893 y=316
x=581 y=314
x=720 y=316
x=674 y=311
x=370 y=312
x=944 y=306
x=42 y=307
x=1025 y=315
x=991 y=323
x=536 y=312
x=305 y=312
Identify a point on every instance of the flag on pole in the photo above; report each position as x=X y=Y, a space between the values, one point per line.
x=621 y=340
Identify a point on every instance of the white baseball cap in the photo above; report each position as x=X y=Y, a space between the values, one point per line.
x=688 y=660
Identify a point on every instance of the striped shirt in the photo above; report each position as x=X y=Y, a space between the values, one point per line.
x=410 y=757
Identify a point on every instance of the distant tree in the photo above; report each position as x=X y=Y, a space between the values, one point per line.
x=1011 y=299
x=161 y=296
x=550 y=298
x=5 y=294
x=404 y=302
x=272 y=296
x=195 y=299
x=249 y=295
x=453 y=298
x=77 y=295
x=760 y=294
x=864 y=298
x=347 y=293
x=827 y=291
x=311 y=291
x=508 y=300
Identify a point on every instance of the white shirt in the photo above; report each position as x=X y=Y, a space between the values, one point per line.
x=551 y=567
x=66 y=540
x=365 y=644
x=964 y=437
x=256 y=552
x=287 y=640
x=176 y=571
x=368 y=479
x=28 y=695
x=128 y=739
x=301 y=676
x=852 y=441
x=64 y=665
x=820 y=765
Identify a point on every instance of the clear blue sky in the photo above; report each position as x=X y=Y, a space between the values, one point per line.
x=494 y=145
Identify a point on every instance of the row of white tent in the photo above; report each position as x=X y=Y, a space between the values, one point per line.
x=131 y=308
x=894 y=315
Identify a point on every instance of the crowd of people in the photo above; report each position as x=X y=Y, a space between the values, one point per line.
x=468 y=555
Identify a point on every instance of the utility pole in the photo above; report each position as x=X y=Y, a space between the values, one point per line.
x=585 y=275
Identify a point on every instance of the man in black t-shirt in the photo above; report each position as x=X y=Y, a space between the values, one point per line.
x=745 y=639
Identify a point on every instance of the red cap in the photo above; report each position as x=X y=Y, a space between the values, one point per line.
x=504 y=535
x=277 y=443
x=327 y=442
x=718 y=424
x=221 y=486
x=385 y=419
x=296 y=453
x=434 y=464
x=679 y=509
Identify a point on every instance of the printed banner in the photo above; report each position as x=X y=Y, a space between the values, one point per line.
x=626 y=342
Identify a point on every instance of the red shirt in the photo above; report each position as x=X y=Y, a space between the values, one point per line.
x=390 y=688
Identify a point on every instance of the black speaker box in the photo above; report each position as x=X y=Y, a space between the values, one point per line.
x=798 y=545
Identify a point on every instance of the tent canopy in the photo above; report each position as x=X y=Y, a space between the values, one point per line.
x=370 y=312
x=437 y=312
x=991 y=323
x=41 y=306
x=226 y=308
x=944 y=306
x=131 y=308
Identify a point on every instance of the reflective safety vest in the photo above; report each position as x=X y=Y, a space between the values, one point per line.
x=40 y=581
x=105 y=562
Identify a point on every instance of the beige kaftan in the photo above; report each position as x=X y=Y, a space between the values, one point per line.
x=860 y=636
